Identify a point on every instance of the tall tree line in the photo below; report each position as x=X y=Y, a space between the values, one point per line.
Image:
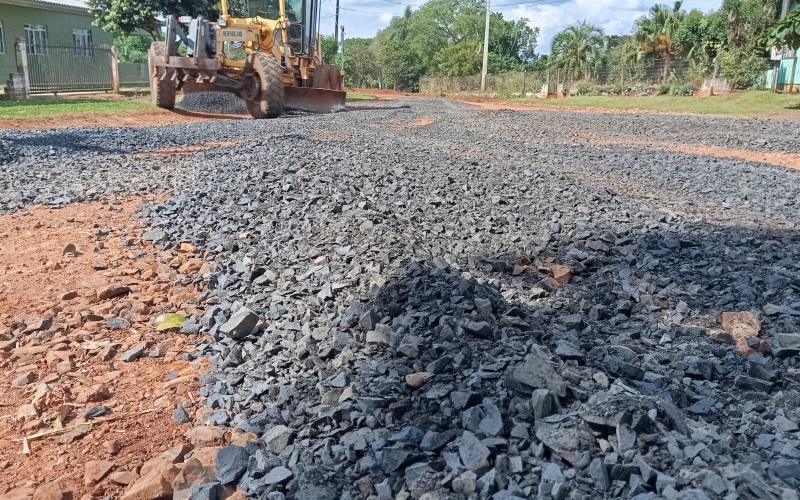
x=728 y=42
x=442 y=37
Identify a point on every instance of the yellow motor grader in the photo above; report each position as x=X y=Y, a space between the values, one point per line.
x=272 y=59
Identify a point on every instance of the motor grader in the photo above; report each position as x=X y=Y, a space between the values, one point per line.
x=272 y=59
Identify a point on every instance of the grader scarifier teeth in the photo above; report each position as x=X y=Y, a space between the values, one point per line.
x=314 y=100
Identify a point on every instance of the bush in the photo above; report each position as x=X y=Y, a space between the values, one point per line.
x=664 y=88
x=686 y=89
x=742 y=70
x=510 y=95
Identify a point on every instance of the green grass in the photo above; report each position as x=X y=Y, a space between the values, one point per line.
x=735 y=103
x=352 y=96
x=37 y=107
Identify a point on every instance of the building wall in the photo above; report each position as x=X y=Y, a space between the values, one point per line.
x=785 y=75
x=59 y=20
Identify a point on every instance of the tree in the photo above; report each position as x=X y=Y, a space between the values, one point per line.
x=541 y=63
x=746 y=20
x=656 y=33
x=514 y=40
x=400 y=25
x=746 y=23
x=702 y=36
x=120 y=16
x=127 y=16
x=445 y=37
x=501 y=63
x=461 y=59
x=330 y=47
x=400 y=64
x=579 y=49
x=132 y=48
x=785 y=34
x=360 y=62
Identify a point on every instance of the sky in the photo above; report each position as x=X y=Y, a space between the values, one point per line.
x=362 y=18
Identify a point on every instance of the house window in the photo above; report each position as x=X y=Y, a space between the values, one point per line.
x=2 y=39
x=83 y=42
x=36 y=39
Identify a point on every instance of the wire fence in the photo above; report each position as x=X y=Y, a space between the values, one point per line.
x=618 y=79
x=134 y=74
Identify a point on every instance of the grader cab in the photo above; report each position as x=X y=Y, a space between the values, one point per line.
x=272 y=59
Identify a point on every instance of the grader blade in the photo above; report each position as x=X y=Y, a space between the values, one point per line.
x=314 y=100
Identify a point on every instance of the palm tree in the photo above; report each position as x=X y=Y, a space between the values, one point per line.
x=655 y=32
x=579 y=49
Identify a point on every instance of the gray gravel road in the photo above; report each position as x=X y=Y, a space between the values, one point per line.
x=422 y=235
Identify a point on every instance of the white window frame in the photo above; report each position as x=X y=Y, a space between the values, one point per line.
x=2 y=39
x=36 y=39
x=82 y=39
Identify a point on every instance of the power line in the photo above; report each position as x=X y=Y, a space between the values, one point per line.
x=404 y=3
x=529 y=2
x=371 y=11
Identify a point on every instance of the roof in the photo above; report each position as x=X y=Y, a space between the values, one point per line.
x=81 y=4
x=73 y=6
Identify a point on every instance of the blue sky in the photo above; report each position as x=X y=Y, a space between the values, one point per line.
x=362 y=18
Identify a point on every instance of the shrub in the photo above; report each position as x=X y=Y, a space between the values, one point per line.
x=742 y=70
x=584 y=89
x=664 y=88
x=683 y=90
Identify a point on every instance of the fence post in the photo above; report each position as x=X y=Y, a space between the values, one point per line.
x=791 y=79
x=776 y=74
x=114 y=70
x=21 y=48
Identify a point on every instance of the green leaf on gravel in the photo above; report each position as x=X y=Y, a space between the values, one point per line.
x=70 y=250
x=169 y=321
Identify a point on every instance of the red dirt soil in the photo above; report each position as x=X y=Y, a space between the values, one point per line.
x=64 y=362
x=788 y=160
x=552 y=105
x=142 y=118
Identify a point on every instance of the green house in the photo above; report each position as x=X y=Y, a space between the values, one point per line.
x=41 y=22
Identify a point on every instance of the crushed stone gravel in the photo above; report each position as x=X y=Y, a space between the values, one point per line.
x=419 y=299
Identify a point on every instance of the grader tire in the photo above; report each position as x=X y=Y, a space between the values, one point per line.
x=162 y=92
x=270 y=102
x=327 y=76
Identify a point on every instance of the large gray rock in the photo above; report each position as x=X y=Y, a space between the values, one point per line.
x=231 y=463
x=240 y=325
x=474 y=454
x=535 y=373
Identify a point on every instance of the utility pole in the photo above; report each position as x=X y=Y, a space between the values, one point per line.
x=485 y=50
x=336 y=27
x=342 y=66
x=776 y=71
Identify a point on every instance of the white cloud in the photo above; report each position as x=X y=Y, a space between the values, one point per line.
x=616 y=17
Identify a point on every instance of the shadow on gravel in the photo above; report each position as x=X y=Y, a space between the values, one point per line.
x=371 y=108
x=485 y=346
x=210 y=116
x=62 y=141
x=650 y=293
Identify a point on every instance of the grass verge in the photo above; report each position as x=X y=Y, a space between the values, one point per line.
x=735 y=103
x=354 y=96
x=38 y=107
